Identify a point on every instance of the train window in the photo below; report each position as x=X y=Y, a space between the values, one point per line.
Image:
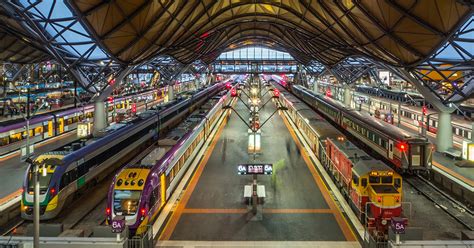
x=153 y=198
x=373 y=179
x=126 y=201
x=397 y=183
x=15 y=137
x=363 y=182
x=387 y=179
x=4 y=141
x=355 y=179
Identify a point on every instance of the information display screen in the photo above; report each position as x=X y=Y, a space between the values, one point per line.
x=255 y=169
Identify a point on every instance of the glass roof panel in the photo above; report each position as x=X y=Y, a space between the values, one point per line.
x=255 y=53
x=59 y=18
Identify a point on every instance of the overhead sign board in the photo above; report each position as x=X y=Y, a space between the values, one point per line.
x=255 y=169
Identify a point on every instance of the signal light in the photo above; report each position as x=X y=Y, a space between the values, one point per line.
x=379 y=199
x=403 y=147
x=52 y=191
x=276 y=93
x=143 y=211
x=328 y=93
x=228 y=86
x=107 y=211
x=110 y=99
x=424 y=109
x=233 y=92
x=134 y=108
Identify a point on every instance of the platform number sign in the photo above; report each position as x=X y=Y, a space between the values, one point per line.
x=398 y=225
x=255 y=169
x=118 y=225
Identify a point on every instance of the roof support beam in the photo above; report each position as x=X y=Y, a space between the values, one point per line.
x=423 y=89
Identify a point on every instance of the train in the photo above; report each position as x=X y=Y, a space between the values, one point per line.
x=139 y=191
x=372 y=188
x=68 y=171
x=408 y=152
x=411 y=116
x=49 y=125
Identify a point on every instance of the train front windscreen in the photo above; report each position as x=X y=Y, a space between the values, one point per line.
x=46 y=170
x=126 y=202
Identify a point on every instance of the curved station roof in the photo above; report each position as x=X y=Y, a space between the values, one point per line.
x=400 y=33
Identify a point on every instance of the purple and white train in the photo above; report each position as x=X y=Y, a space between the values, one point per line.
x=139 y=191
x=66 y=172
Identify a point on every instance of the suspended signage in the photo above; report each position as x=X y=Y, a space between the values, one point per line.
x=255 y=169
x=83 y=129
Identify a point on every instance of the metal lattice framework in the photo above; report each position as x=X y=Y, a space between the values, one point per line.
x=96 y=40
x=450 y=71
x=59 y=34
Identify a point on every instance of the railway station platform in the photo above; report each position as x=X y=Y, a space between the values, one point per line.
x=297 y=208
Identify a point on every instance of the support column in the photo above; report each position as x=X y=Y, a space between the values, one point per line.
x=444 y=136
x=316 y=86
x=347 y=96
x=472 y=131
x=196 y=83
x=100 y=117
x=170 y=93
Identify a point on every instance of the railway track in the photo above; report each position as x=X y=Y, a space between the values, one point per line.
x=83 y=215
x=451 y=206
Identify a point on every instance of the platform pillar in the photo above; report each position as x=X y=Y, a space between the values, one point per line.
x=347 y=96
x=315 y=86
x=196 y=83
x=472 y=131
x=170 y=93
x=444 y=136
x=100 y=117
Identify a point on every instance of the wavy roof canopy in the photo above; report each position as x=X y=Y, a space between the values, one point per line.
x=16 y=45
x=400 y=33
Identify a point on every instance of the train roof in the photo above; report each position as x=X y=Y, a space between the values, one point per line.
x=324 y=129
x=382 y=126
x=365 y=118
x=309 y=114
x=157 y=153
x=363 y=167
x=351 y=151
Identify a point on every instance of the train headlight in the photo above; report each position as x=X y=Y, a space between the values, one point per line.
x=384 y=222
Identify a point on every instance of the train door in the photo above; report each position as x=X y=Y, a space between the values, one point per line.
x=50 y=128
x=390 y=149
x=61 y=125
x=416 y=154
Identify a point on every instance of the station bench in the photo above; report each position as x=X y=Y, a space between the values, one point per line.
x=455 y=154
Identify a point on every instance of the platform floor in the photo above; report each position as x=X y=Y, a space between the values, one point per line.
x=298 y=207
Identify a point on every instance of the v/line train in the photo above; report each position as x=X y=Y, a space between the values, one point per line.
x=139 y=191
x=408 y=152
x=67 y=172
x=46 y=126
x=462 y=129
x=373 y=189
